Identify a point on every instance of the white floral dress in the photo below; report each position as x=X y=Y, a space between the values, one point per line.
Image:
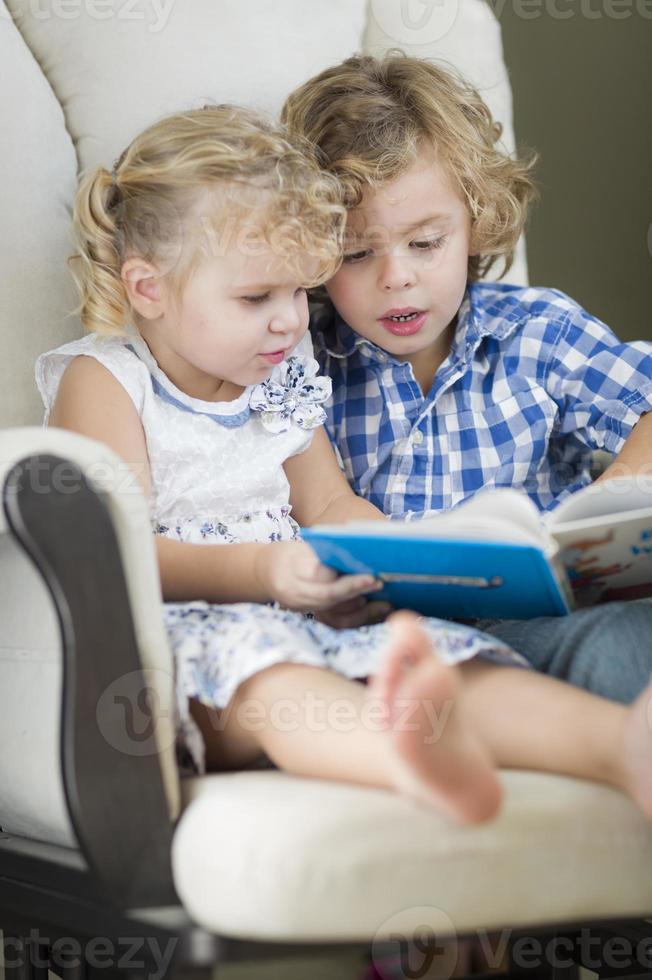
x=217 y=477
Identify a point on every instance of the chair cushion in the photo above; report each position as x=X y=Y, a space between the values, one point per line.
x=114 y=74
x=266 y=855
x=37 y=177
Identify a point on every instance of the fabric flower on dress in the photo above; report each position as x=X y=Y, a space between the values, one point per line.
x=292 y=394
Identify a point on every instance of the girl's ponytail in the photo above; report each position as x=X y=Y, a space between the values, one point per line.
x=97 y=265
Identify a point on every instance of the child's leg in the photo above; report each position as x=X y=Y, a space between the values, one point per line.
x=605 y=649
x=314 y=722
x=448 y=727
x=529 y=721
x=536 y=722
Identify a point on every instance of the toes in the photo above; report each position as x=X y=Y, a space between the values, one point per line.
x=408 y=637
x=408 y=647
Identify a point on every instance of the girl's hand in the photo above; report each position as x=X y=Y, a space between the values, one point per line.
x=291 y=573
x=354 y=613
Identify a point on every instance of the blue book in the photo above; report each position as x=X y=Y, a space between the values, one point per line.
x=494 y=557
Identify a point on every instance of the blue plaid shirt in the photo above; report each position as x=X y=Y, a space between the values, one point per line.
x=532 y=385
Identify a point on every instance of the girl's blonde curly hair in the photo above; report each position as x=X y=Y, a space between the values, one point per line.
x=368 y=118
x=181 y=186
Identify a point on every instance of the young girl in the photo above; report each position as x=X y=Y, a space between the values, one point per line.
x=193 y=258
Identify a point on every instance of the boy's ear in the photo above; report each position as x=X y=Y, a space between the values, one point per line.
x=142 y=282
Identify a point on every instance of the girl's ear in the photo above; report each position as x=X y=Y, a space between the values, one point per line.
x=144 y=287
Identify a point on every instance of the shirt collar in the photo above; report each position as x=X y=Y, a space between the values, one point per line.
x=480 y=317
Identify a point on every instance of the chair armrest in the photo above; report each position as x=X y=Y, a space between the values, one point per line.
x=114 y=791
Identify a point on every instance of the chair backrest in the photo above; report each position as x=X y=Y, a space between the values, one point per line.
x=80 y=80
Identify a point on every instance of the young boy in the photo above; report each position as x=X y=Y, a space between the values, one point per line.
x=444 y=385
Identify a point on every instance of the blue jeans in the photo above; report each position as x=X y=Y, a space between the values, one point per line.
x=606 y=649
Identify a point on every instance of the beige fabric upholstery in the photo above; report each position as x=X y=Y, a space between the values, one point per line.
x=37 y=177
x=113 y=76
x=295 y=858
x=31 y=801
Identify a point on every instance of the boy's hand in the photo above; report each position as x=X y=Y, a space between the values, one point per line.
x=291 y=573
x=354 y=613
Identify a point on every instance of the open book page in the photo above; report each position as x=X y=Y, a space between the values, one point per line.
x=605 y=538
x=613 y=499
x=501 y=515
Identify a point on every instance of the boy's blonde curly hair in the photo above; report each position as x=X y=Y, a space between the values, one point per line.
x=368 y=118
x=182 y=188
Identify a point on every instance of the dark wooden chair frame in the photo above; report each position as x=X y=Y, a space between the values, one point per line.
x=118 y=887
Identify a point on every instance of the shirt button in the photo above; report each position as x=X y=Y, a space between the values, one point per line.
x=381 y=356
x=417 y=437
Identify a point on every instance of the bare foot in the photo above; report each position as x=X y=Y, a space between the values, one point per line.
x=437 y=759
x=637 y=758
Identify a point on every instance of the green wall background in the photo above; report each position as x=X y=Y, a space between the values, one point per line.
x=582 y=97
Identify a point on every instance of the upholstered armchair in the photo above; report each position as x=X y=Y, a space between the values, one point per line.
x=109 y=862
